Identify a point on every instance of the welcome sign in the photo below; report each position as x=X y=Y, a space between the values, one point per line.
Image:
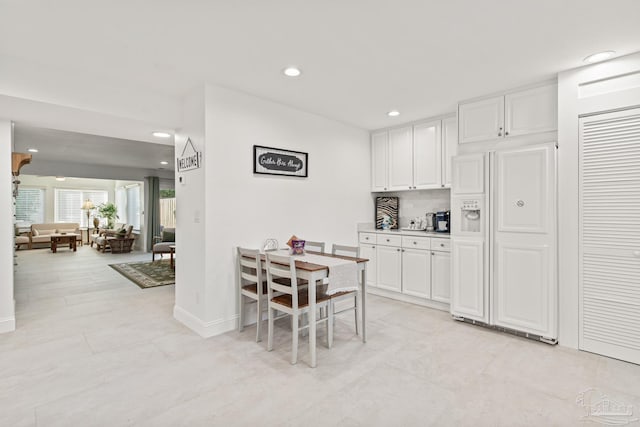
x=276 y=161
x=190 y=158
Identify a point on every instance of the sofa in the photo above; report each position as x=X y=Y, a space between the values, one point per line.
x=164 y=242
x=40 y=234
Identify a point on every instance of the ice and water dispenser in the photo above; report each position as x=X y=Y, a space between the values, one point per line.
x=470 y=216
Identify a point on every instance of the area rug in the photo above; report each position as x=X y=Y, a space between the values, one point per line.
x=147 y=274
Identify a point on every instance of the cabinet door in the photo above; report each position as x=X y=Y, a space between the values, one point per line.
x=416 y=272
x=468 y=291
x=369 y=252
x=481 y=120
x=440 y=276
x=427 y=157
x=468 y=174
x=449 y=148
x=401 y=158
x=530 y=111
x=379 y=161
x=389 y=268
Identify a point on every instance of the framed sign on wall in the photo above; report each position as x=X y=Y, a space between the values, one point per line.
x=276 y=161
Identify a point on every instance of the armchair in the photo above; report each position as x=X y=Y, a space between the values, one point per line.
x=163 y=243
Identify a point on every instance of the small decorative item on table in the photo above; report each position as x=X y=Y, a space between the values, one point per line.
x=296 y=245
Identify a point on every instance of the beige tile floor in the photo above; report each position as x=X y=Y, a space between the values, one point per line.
x=92 y=349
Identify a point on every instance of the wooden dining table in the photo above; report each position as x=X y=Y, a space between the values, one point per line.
x=317 y=272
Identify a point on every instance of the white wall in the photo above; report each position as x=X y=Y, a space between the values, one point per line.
x=245 y=209
x=614 y=93
x=7 y=304
x=191 y=229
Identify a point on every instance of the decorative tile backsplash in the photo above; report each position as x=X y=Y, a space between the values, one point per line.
x=419 y=202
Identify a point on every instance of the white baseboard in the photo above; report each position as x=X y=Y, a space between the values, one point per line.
x=8 y=324
x=204 y=329
x=408 y=298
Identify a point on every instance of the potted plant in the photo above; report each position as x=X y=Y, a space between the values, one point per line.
x=109 y=212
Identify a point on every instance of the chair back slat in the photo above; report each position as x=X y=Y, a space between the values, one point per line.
x=250 y=267
x=342 y=250
x=281 y=267
x=312 y=246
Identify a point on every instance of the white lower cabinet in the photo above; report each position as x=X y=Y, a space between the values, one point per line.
x=369 y=252
x=414 y=269
x=389 y=268
x=416 y=272
x=441 y=276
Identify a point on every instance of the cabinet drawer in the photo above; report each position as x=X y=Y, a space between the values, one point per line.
x=443 y=245
x=416 y=242
x=368 y=238
x=389 y=240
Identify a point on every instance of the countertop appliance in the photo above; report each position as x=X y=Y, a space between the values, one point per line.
x=430 y=221
x=442 y=221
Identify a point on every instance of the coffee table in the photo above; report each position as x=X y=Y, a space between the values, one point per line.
x=63 y=239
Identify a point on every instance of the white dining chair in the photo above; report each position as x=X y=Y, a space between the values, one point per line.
x=282 y=279
x=252 y=286
x=312 y=246
x=350 y=251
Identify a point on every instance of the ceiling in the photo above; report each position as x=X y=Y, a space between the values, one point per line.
x=360 y=58
x=72 y=147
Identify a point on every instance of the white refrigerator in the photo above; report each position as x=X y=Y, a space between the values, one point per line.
x=503 y=239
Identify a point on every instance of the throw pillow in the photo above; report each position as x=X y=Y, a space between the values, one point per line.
x=46 y=232
x=168 y=236
x=35 y=232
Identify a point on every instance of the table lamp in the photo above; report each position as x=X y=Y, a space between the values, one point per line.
x=88 y=206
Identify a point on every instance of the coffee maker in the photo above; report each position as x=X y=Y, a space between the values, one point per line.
x=442 y=221
x=431 y=221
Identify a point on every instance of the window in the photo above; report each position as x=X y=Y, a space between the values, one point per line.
x=133 y=206
x=68 y=204
x=168 y=208
x=30 y=205
x=129 y=205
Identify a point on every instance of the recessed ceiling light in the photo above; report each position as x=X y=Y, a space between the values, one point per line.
x=32 y=150
x=60 y=178
x=164 y=163
x=393 y=113
x=292 y=72
x=600 y=56
x=161 y=134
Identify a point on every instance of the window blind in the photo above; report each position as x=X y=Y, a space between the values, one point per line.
x=133 y=206
x=68 y=204
x=30 y=205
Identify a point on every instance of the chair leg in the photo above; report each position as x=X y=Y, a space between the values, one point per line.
x=330 y=325
x=259 y=319
x=270 y=333
x=356 y=311
x=241 y=314
x=294 y=338
x=153 y=256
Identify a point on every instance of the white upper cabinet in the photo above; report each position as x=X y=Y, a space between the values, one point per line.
x=481 y=120
x=427 y=155
x=531 y=111
x=401 y=158
x=413 y=157
x=517 y=113
x=449 y=148
x=379 y=152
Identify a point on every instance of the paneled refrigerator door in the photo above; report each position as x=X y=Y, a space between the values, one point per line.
x=469 y=272
x=524 y=285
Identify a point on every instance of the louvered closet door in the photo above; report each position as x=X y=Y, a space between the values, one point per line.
x=610 y=235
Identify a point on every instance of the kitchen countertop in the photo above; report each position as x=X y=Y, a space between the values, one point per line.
x=406 y=232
